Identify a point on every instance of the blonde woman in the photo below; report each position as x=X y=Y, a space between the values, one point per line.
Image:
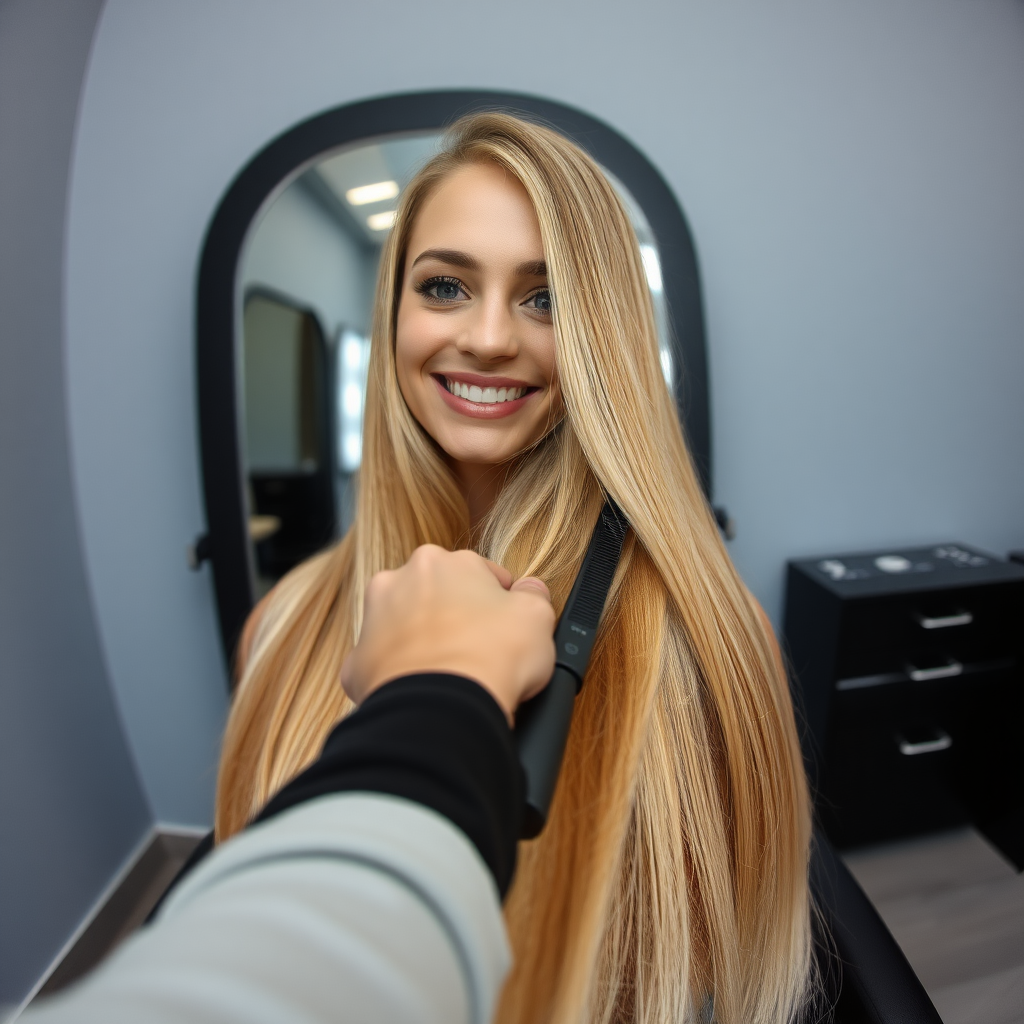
x=514 y=380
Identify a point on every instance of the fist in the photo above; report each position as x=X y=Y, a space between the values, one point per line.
x=446 y=611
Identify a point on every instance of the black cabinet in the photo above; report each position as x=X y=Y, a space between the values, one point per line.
x=909 y=678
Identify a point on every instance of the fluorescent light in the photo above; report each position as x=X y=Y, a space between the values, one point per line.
x=375 y=193
x=666 y=366
x=352 y=401
x=352 y=346
x=351 y=384
x=381 y=221
x=353 y=450
x=652 y=267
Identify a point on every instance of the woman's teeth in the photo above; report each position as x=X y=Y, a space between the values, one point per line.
x=484 y=396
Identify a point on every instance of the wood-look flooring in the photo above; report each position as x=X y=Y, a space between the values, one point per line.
x=956 y=907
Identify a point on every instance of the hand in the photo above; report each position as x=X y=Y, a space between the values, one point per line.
x=454 y=612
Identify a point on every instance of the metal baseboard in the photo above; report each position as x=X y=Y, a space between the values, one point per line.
x=123 y=908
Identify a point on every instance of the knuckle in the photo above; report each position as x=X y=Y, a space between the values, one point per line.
x=428 y=554
x=379 y=582
x=536 y=608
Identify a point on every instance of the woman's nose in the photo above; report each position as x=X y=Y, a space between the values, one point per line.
x=491 y=333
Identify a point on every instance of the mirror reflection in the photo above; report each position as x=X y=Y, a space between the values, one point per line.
x=288 y=442
x=307 y=283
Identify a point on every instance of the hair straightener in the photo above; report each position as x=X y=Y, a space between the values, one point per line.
x=542 y=723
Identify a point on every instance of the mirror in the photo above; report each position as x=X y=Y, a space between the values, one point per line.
x=308 y=275
x=284 y=296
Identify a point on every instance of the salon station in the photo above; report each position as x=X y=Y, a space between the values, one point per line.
x=219 y=249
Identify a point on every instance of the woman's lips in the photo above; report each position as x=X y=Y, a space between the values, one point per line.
x=480 y=410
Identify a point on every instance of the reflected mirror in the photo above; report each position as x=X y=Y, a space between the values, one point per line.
x=308 y=274
x=290 y=473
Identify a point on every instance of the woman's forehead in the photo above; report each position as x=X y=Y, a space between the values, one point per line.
x=482 y=210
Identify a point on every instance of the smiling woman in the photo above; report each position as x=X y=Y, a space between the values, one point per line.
x=475 y=343
x=670 y=883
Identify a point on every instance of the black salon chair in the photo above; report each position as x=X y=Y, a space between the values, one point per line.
x=867 y=979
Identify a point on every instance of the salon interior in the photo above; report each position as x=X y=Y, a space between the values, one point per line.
x=827 y=200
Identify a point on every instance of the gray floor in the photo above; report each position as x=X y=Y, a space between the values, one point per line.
x=957 y=909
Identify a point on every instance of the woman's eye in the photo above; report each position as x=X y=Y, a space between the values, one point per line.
x=442 y=289
x=540 y=301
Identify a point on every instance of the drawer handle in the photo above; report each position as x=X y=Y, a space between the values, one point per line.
x=942 y=741
x=924 y=675
x=943 y=621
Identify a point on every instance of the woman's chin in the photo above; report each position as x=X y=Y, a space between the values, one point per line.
x=484 y=445
x=476 y=458
x=482 y=451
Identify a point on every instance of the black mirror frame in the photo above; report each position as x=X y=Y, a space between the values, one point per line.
x=226 y=543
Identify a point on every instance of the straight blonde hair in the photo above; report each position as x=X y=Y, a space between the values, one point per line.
x=671 y=881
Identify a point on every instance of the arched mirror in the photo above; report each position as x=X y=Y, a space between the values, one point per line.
x=285 y=290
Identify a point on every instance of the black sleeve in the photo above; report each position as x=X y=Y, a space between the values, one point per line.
x=440 y=740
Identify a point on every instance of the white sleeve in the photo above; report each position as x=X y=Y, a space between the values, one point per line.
x=351 y=907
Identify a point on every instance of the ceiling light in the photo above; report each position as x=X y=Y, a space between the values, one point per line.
x=381 y=221
x=374 y=193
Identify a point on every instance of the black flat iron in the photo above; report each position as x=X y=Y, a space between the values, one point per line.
x=542 y=723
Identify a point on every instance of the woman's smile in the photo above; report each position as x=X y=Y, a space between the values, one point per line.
x=472 y=394
x=475 y=340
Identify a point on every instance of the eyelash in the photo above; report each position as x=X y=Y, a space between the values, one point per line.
x=432 y=282
x=423 y=288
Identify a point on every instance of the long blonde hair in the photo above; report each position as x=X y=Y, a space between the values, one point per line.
x=671 y=881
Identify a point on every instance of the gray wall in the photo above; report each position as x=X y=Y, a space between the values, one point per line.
x=852 y=176
x=300 y=250
x=71 y=807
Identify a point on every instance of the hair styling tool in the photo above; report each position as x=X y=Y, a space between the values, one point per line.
x=542 y=723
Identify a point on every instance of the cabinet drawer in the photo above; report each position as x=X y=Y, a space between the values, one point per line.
x=910 y=757
x=975 y=627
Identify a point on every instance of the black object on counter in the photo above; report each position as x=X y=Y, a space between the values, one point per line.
x=909 y=674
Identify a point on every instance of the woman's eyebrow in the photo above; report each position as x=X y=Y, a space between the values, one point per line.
x=457 y=258
x=452 y=256
x=532 y=268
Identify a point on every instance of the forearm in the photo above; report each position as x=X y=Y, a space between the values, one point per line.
x=369 y=891
x=354 y=907
x=434 y=738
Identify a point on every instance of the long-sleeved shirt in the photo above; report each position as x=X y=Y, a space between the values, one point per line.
x=368 y=890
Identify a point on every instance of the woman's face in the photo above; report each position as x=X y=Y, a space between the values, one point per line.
x=475 y=346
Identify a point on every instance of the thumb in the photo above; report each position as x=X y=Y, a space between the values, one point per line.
x=532 y=584
x=348 y=681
